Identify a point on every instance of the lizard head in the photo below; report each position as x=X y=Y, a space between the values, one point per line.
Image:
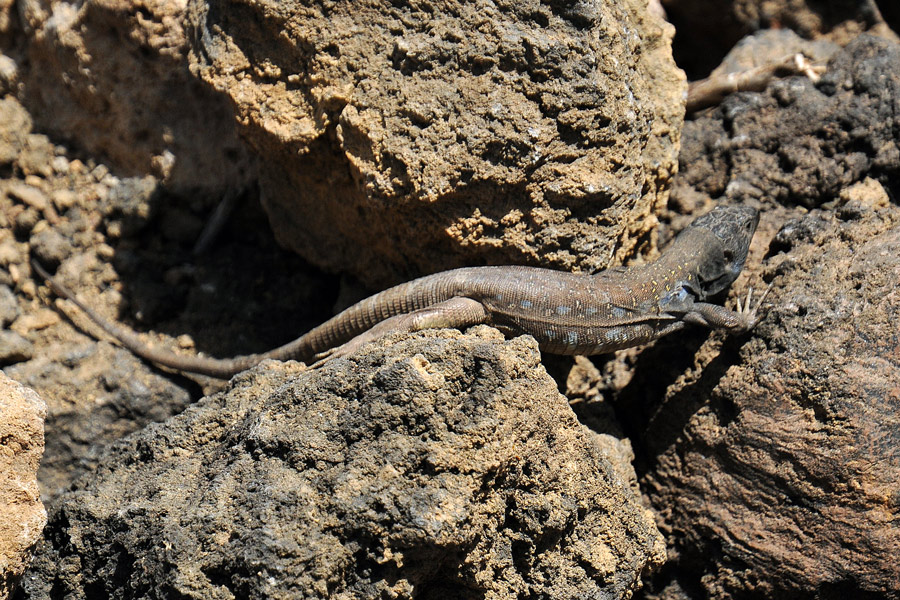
x=724 y=235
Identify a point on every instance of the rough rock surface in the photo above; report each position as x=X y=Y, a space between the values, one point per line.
x=438 y=465
x=778 y=477
x=22 y=516
x=124 y=245
x=398 y=138
x=96 y=393
x=800 y=142
x=394 y=139
x=14 y=129
x=95 y=67
x=707 y=29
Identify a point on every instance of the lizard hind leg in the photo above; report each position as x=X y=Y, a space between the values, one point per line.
x=456 y=312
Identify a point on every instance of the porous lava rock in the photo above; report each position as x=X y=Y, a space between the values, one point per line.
x=437 y=465
x=22 y=515
x=399 y=138
x=801 y=142
x=775 y=468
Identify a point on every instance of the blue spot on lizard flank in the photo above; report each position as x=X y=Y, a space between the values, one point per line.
x=563 y=310
x=526 y=304
x=571 y=338
x=614 y=334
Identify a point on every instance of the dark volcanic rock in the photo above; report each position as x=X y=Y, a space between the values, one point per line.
x=707 y=29
x=782 y=478
x=437 y=465
x=800 y=142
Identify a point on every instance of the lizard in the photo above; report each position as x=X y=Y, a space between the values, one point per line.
x=567 y=313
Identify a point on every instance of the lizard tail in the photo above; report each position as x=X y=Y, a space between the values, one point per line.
x=214 y=367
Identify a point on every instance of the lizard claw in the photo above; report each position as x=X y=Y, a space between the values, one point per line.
x=322 y=357
x=748 y=311
x=344 y=349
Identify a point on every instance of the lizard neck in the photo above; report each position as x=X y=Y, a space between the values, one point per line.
x=694 y=261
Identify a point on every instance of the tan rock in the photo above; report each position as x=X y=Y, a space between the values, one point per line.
x=394 y=140
x=15 y=123
x=398 y=140
x=22 y=516
x=114 y=76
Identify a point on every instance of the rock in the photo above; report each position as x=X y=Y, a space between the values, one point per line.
x=769 y=46
x=98 y=67
x=35 y=320
x=800 y=142
x=96 y=393
x=25 y=221
x=9 y=306
x=130 y=205
x=15 y=124
x=779 y=477
x=7 y=8
x=23 y=516
x=9 y=70
x=438 y=463
x=37 y=156
x=10 y=253
x=708 y=29
x=14 y=348
x=50 y=247
x=398 y=139
x=395 y=140
x=27 y=194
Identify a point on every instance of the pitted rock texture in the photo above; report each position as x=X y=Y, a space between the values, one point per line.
x=399 y=138
x=778 y=477
x=88 y=69
x=438 y=465
x=801 y=142
x=22 y=515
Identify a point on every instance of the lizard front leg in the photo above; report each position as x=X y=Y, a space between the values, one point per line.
x=714 y=316
x=456 y=312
